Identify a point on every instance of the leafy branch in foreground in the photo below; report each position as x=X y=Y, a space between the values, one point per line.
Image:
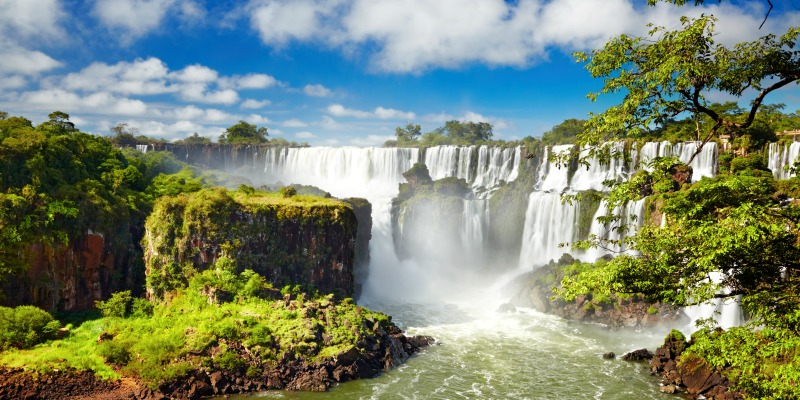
x=670 y=72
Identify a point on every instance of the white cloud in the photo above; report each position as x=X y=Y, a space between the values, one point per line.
x=12 y=82
x=294 y=123
x=30 y=19
x=280 y=21
x=138 y=77
x=17 y=60
x=199 y=92
x=255 y=81
x=133 y=17
x=255 y=104
x=174 y=130
x=317 y=91
x=330 y=124
x=196 y=73
x=305 y=135
x=257 y=119
x=339 y=110
x=391 y=113
x=370 y=140
x=100 y=103
x=416 y=35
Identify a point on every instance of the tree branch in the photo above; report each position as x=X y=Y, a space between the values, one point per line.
x=766 y=16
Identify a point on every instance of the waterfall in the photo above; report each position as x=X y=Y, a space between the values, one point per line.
x=548 y=223
x=593 y=175
x=781 y=157
x=142 y=147
x=552 y=176
x=631 y=217
x=474 y=222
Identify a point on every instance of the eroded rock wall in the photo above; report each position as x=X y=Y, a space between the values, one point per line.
x=310 y=243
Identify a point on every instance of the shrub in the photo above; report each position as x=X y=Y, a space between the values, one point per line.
x=118 y=306
x=287 y=191
x=25 y=326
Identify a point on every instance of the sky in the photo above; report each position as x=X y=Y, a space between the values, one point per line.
x=328 y=72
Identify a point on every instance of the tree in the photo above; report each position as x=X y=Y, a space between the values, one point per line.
x=124 y=136
x=244 y=133
x=565 y=132
x=59 y=123
x=670 y=72
x=195 y=139
x=468 y=132
x=408 y=134
x=723 y=237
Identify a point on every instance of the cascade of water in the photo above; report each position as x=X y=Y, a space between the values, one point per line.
x=474 y=222
x=631 y=218
x=548 y=223
x=142 y=147
x=342 y=171
x=554 y=177
x=591 y=176
x=495 y=165
x=781 y=157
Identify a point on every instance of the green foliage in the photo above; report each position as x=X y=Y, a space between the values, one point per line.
x=418 y=175
x=189 y=333
x=763 y=364
x=669 y=72
x=118 y=306
x=287 y=191
x=468 y=132
x=25 y=326
x=749 y=165
x=452 y=186
x=194 y=139
x=565 y=132
x=189 y=232
x=729 y=225
x=244 y=133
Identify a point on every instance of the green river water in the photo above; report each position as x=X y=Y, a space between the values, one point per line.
x=483 y=354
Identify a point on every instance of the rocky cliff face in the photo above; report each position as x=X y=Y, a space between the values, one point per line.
x=72 y=277
x=307 y=241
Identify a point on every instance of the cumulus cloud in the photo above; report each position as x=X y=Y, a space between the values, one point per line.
x=305 y=135
x=100 y=103
x=317 y=91
x=294 y=123
x=17 y=60
x=370 y=140
x=339 y=110
x=141 y=77
x=30 y=19
x=254 y=81
x=134 y=17
x=255 y=104
x=415 y=35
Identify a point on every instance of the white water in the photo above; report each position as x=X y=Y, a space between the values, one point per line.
x=482 y=353
x=781 y=157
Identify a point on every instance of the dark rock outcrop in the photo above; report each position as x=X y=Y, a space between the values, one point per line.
x=72 y=277
x=689 y=374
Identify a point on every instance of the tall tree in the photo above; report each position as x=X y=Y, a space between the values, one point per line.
x=671 y=72
x=244 y=133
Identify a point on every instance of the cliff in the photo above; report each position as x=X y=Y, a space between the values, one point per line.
x=299 y=240
x=72 y=277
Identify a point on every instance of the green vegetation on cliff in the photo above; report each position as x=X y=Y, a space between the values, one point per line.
x=223 y=320
x=288 y=239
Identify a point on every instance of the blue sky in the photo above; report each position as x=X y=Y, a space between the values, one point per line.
x=335 y=72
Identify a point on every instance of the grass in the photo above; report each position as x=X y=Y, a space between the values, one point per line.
x=189 y=333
